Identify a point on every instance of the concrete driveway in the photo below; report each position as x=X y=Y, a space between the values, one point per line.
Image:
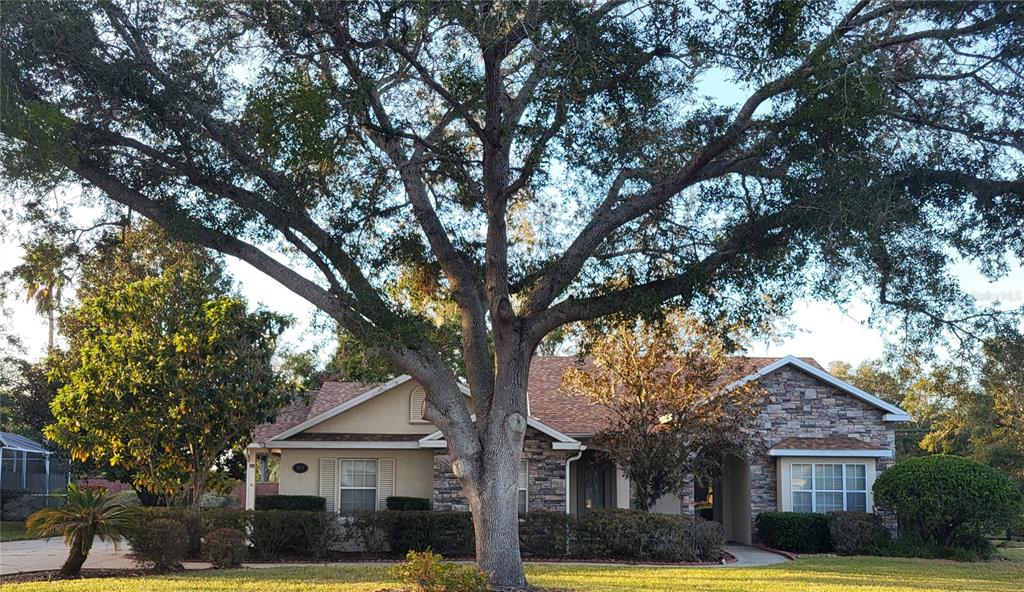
x=49 y=554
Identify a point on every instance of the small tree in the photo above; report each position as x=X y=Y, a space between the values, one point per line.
x=673 y=414
x=88 y=514
x=165 y=374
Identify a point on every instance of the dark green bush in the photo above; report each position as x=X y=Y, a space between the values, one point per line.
x=798 y=532
x=857 y=533
x=430 y=572
x=398 y=532
x=947 y=501
x=289 y=533
x=275 y=534
x=646 y=536
x=302 y=503
x=969 y=549
x=545 y=534
x=161 y=543
x=225 y=547
x=408 y=504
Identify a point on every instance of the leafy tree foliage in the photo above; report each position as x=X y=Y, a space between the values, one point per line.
x=25 y=396
x=671 y=415
x=165 y=373
x=545 y=162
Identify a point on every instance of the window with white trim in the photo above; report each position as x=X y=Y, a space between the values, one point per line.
x=826 y=487
x=358 y=486
x=523 y=479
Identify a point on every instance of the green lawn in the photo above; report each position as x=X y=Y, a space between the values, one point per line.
x=12 y=531
x=859 y=574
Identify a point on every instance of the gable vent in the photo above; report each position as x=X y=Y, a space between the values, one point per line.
x=417 y=400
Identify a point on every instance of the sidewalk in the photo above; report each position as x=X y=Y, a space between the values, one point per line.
x=43 y=554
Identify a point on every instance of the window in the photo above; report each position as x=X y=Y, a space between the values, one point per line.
x=358 y=486
x=523 y=477
x=827 y=487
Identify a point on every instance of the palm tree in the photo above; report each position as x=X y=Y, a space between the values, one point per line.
x=88 y=513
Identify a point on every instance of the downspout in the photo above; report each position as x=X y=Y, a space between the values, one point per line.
x=568 y=461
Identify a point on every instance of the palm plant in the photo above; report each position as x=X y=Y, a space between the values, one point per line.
x=88 y=514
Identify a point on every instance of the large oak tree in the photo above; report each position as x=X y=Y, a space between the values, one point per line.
x=540 y=163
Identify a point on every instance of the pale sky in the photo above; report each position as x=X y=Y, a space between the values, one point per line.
x=820 y=330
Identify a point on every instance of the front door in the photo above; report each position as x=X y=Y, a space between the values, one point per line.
x=597 y=483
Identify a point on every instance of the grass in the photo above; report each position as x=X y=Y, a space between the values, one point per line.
x=821 y=574
x=12 y=531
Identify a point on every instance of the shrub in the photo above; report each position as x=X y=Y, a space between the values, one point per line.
x=303 y=503
x=225 y=547
x=627 y=534
x=430 y=572
x=948 y=501
x=857 y=533
x=449 y=533
x=289 y=533
x=545 y=534
x=408 y=504
x=161 y=543
x=797 y=532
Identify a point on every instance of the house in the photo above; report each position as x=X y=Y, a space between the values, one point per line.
x=822 y=443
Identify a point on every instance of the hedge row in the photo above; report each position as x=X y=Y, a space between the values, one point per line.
x=273 y=534
x=598 y=534
x=305 y=503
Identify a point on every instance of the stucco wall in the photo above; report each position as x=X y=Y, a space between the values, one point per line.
x=413 y=469
x=800 y=405
x=387 y=413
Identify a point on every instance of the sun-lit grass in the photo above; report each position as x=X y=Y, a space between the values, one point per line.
x=825 y=574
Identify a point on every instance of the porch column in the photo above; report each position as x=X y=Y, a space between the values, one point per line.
x=250 y=480
x=621 y=490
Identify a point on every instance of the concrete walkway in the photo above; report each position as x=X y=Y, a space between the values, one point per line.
x=43 y=554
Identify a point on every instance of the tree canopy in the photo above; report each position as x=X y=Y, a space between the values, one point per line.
x=165 y=371
x=672 y=416
x=540 y=163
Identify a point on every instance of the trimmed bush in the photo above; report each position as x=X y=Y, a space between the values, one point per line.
x=857 y=533
x=545 y=534
x=798 y=532
x=299 y=503
x=288 y=533
x=947 y=501
x=225 y=547
x=408 y=504
x=398 y=532
x=161 y=543
x=430 y=572
x=646 y=536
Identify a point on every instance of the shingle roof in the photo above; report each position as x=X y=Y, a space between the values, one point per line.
x=831 y=443
x=330 y=395
x=570 y=414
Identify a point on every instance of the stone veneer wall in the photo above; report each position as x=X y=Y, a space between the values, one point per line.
x=545 y=477
x=800 y=405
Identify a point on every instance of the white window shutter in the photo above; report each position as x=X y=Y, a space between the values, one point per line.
x=328 y=482
x=385 y=482
x=416 y=401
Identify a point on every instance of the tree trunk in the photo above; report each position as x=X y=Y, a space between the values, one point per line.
x=493 y=487
x=494 y=503
x=76 y=557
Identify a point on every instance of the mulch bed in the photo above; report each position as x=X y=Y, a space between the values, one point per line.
x=87 y=574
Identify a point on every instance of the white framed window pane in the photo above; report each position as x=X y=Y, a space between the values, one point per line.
x=857 y=502
x=524 y=469
x=358 y=500
x=802 y=501
x=828 y=501
x=856 y=478
x=828 y=477
x=801 y=477
x=522 y=501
